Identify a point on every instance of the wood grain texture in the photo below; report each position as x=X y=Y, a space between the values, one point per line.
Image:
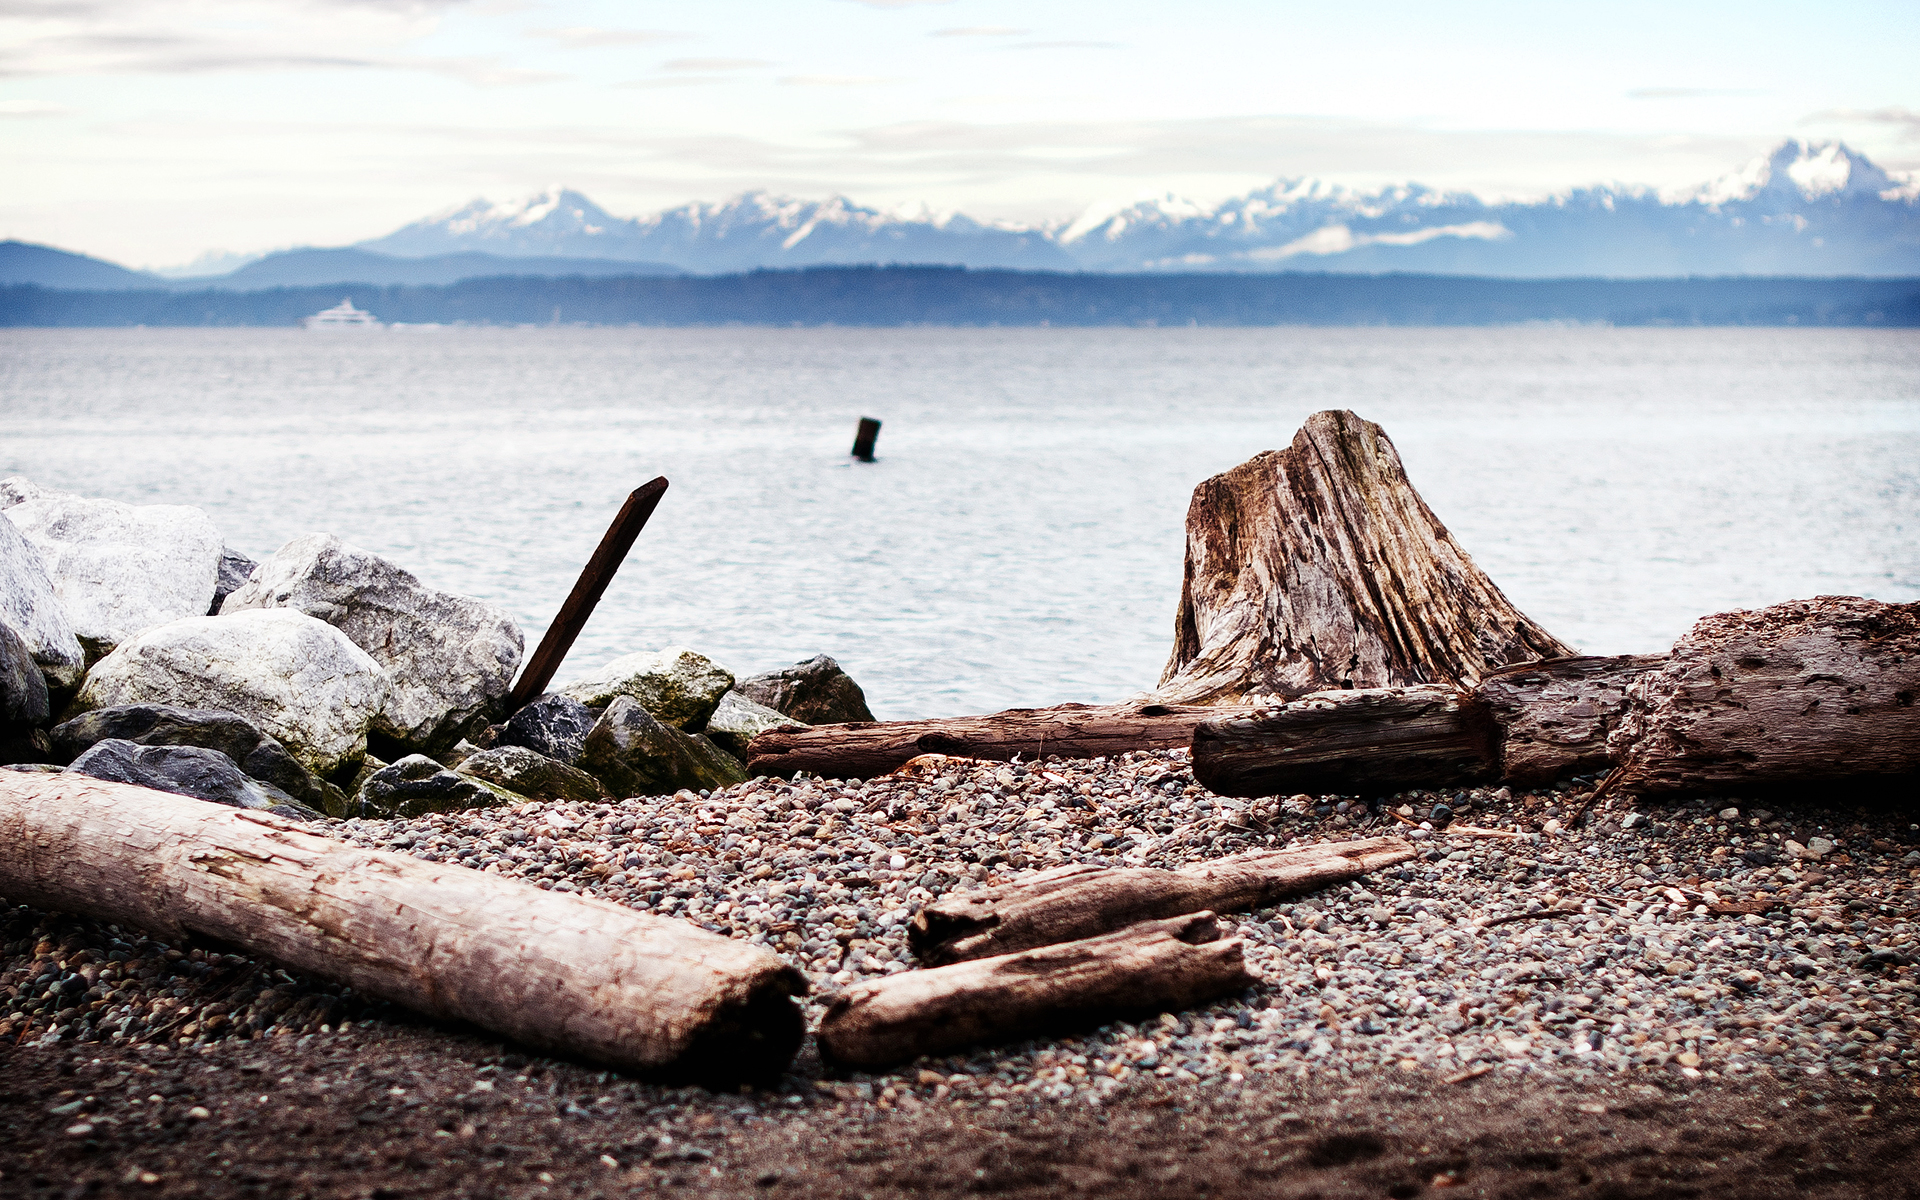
x=1081 y=900
x=1154 y=966
x=1366 y=741
x=563 y=973
x=1555 y=716
x=1821 y=691
x=1319 y=567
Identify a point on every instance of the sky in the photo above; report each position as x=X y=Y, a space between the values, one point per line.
x=151 y=132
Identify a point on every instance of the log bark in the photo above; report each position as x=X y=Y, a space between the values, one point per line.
x=1081 y=901
x=1319 y=567
x=1822 y=691
x=568 y=974
x=863 y=749
x=1367 y=741
x=1154 y=966
x=1555 y=716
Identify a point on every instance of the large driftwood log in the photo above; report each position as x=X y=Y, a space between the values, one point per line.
x=1081 y=901
x=1154 y=966
x=1369 y=740
x=1319 y=567
x=563 y=973
x=862 y=750
x=1824 y=691
x=1555 y=716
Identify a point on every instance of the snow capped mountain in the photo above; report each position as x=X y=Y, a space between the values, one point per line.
x=1802 y=209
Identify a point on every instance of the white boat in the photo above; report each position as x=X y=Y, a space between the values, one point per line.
x=343 y=316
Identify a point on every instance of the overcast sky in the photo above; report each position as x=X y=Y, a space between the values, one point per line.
x=150 y=131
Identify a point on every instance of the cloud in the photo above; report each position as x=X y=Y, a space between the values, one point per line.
x=677 y=81
x=714 y=64
x=899 y=3
x=1063 y=45
x=980 y=31
x=31 y=108
x=1686 y=93
x=1338 y=239
x=830 y=81
x=584 y=37
x=1905 y=118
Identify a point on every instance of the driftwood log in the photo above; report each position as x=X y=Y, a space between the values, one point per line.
x=1367 y=741
x=1554 y=717
x=864 y=749
x=1154 y=966
x=1080 y=901
x=1319 y=567
x=1821 y=691
x=563 y=973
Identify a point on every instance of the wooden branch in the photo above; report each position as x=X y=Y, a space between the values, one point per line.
x=1153 y=966
x=1319 y=567
x=1366 y=741
x=862 y=749
x=1082 y=900
x=563 y=973
x=1555 y=716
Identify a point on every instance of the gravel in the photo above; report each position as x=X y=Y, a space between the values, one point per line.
x=1711 y=939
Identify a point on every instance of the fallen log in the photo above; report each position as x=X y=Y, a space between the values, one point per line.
x=1555 y=716
x=1154 y=966
x=1372 y=740
x=864 y=749
x=1821 y=691
x=1319 y=567
x=562 y=973
x=1082 y=900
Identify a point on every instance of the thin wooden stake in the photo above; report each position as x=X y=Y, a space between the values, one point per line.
x=864 y=438
x=587 y=590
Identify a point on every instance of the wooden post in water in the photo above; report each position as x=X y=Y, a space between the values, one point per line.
x=864 y=439
x=587 y=590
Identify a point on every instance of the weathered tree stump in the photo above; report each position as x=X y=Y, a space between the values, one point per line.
x=1555 y=716
x=1082 y=900
x=1154 y=966
x=563 y=973
x=1319 y=567
x=1821 y=691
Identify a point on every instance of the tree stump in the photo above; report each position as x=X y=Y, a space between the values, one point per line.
x=1319 y=567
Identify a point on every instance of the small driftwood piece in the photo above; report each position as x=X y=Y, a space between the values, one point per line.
x=1319 y=566
x=1364 y=741
x=1822 y=691
x=1153 y=966
x=563 y=973
x=864 y=749
x=1555 y=716
x=1080 y=901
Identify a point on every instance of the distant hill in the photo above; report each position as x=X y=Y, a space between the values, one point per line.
x=308 y=267
x=25 y=262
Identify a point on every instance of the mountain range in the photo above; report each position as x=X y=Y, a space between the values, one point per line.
x=1804 y=209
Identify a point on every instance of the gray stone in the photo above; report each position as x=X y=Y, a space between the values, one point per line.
x=235 y=569
x=678 y=686
x=635 y=755
x=187 y=771
x=29 y=605
x=535 y=776
x=739 y=720
x=119 y=569
x=23 y=689
x=416 y=784
x=254 y=752
x=815 y=692
x=553 y=725
x=450 y=658
x=296 y=678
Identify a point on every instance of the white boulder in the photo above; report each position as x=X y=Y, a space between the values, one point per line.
x=28 y=605
x=117 y=568
x=678 y=686
x=297 y=678
x=449 y=658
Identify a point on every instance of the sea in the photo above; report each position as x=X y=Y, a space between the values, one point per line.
x=1018 y=541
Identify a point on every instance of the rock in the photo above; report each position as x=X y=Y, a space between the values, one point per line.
x=553 y=725
x=370 y=766
x=296 y=678
x=815 y=692
x=676 y=685
x=234 y=571
x=738 y=720
x=450 y=658
x=535 y=776
x=635 y=755
x=29 y=605
x=186 y=771
x=1819 y=847
x=119 y=569
x=416 y=784
x=23 y=689
x=461 y=752
x=256 y=753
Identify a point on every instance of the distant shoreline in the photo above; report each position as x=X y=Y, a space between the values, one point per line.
x=872 y=296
